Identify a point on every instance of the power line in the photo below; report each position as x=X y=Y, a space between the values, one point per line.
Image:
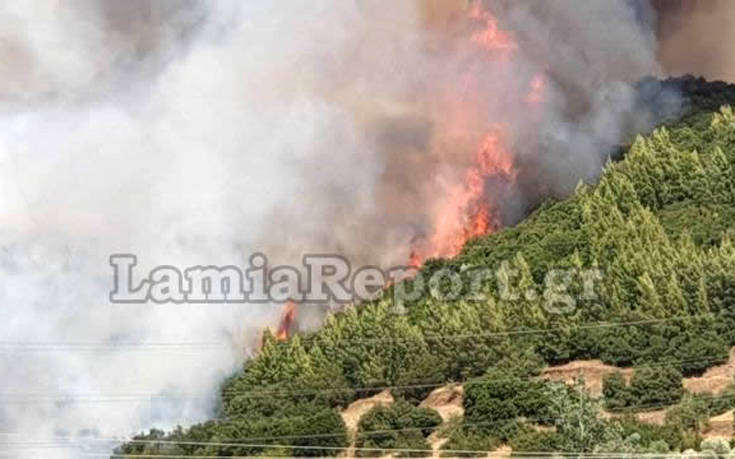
x=126 y=397
x=633 y=409
x=286 y=446
x=276 y=392
x=527 y=331
x=103 y=345
x=109 y=455
x=582 y=454
x=340 y=448
x=55 y=346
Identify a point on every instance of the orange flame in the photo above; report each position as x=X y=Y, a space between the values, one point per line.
x=491 y=37
x=414 y=259
x=467 y=211
x=287 y=318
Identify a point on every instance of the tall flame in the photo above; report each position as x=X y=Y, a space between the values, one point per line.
x=467 y=211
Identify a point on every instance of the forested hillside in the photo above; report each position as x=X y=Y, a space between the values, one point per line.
x=658 y=234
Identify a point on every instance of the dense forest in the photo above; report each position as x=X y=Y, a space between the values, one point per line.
x=658 y=230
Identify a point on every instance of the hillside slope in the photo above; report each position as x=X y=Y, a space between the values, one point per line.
x=650 y=283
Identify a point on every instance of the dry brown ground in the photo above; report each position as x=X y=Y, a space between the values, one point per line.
x=436 y=443
x=720 y=426
x=593 y=371
x=501 y=453
x=715 y=379
x=447 y=400
x=356 y=410
x=653 y=417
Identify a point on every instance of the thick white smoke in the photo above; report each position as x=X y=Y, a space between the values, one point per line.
x=192 y=132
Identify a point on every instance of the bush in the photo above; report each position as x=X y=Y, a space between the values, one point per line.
x=691 y=413
x=578 y=420
x=293 y=432
x=652 y=387
x=616 y=391
x=396 y=426
x=498 y=398
x=719 y=447
x=719 y=403
x=651 y=433
x=467 y=439
x=649 y=388
x=535 y=441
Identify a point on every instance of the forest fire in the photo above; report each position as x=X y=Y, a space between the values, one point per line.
x=287 y=319
x=467 y=210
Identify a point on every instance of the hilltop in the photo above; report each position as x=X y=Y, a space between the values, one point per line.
x=655 y=235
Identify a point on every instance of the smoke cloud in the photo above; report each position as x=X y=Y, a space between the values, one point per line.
x=696 y=37
x=197 y=133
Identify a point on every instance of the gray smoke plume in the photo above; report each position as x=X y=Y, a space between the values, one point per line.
x=192 y=132
x=696 y=37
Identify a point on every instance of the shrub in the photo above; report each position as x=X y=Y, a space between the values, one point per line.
x=720 y=447
x=616 y=391
x=652 y=387
x=535 y=441
x=498 y=398
x=719 y=403
x=577 y=416
x=650 y=433
x=466 y=439
x=396 y=426
x=691 y=413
